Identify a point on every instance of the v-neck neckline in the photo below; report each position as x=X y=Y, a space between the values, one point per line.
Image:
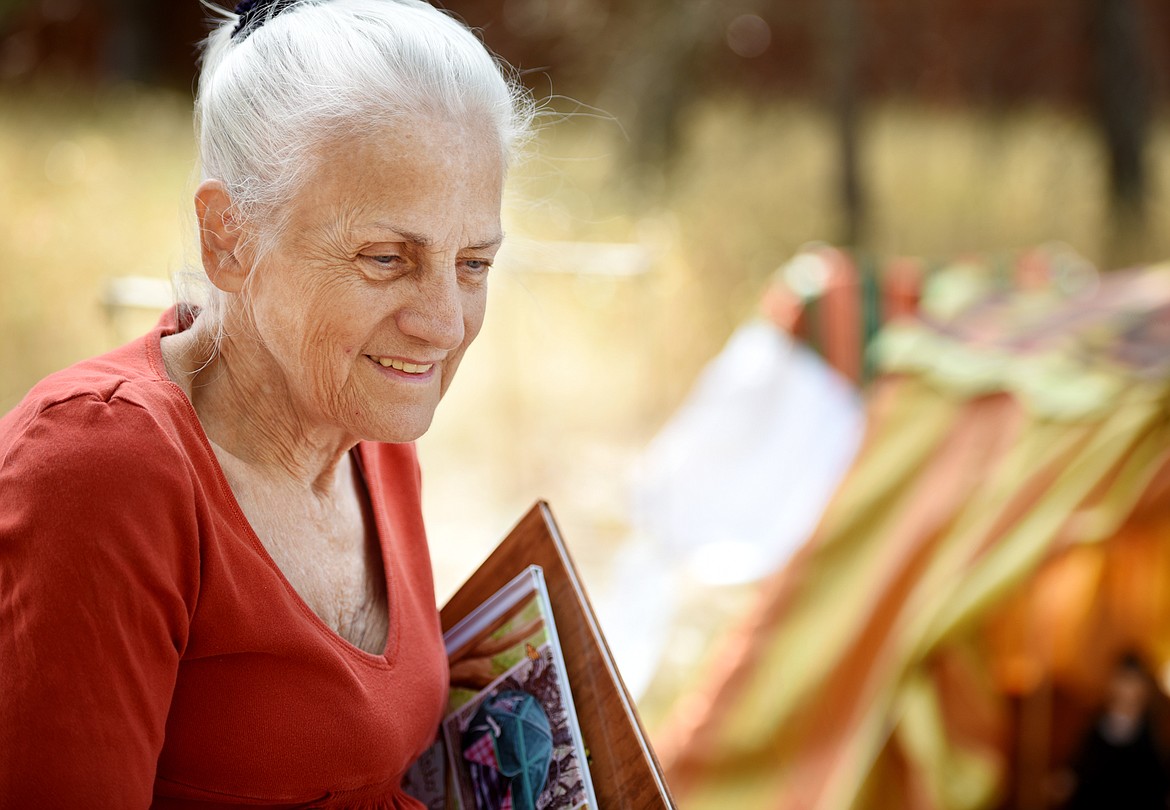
x=367 y=474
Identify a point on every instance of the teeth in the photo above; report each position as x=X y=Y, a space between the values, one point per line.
x=409 y=368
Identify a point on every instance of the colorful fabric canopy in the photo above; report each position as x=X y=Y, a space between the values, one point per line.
x=1010 y=503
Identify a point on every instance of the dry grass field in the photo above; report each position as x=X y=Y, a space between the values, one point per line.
x=604 y=307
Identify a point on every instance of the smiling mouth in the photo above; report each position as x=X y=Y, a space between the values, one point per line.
x=402 y=365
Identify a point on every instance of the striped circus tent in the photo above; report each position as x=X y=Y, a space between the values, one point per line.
x=1005 y=529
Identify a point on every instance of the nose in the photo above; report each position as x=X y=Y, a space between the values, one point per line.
x=434 y=312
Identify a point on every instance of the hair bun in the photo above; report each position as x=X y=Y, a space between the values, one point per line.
x=254 y=13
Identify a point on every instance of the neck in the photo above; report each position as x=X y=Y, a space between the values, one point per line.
x=249 y=412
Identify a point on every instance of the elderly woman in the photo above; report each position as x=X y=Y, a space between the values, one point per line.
x=215 y=588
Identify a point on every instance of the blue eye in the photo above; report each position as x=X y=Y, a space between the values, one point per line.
x=386 y=258
x=477 y=265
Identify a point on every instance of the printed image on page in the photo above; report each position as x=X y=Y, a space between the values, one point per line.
x=508 y=735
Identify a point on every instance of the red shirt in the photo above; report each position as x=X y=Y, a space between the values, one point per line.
x=151 y=652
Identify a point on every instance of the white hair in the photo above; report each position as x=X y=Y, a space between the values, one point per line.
x=271 y=95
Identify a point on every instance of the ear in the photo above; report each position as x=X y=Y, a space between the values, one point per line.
x=220 y=237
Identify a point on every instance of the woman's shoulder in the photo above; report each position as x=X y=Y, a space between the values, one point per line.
x=117 y=401
x=98 y=482
x=107 y=425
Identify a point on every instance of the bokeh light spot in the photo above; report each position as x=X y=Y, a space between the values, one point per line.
x=749 y=35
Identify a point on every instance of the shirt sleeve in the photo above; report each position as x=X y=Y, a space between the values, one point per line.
x=98 y=579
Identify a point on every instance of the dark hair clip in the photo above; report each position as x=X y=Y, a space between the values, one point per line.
x=254 y=13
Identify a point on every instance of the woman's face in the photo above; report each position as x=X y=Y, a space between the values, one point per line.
x=378 y=284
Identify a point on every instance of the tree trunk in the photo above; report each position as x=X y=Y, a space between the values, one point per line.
x=844 y=30
x=1123 y=115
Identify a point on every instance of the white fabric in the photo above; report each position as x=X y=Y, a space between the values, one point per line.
x=739 y=476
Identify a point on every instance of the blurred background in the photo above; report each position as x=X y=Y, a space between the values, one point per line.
x=661 y=359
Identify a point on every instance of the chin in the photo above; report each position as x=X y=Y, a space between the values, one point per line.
x=398 y=430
